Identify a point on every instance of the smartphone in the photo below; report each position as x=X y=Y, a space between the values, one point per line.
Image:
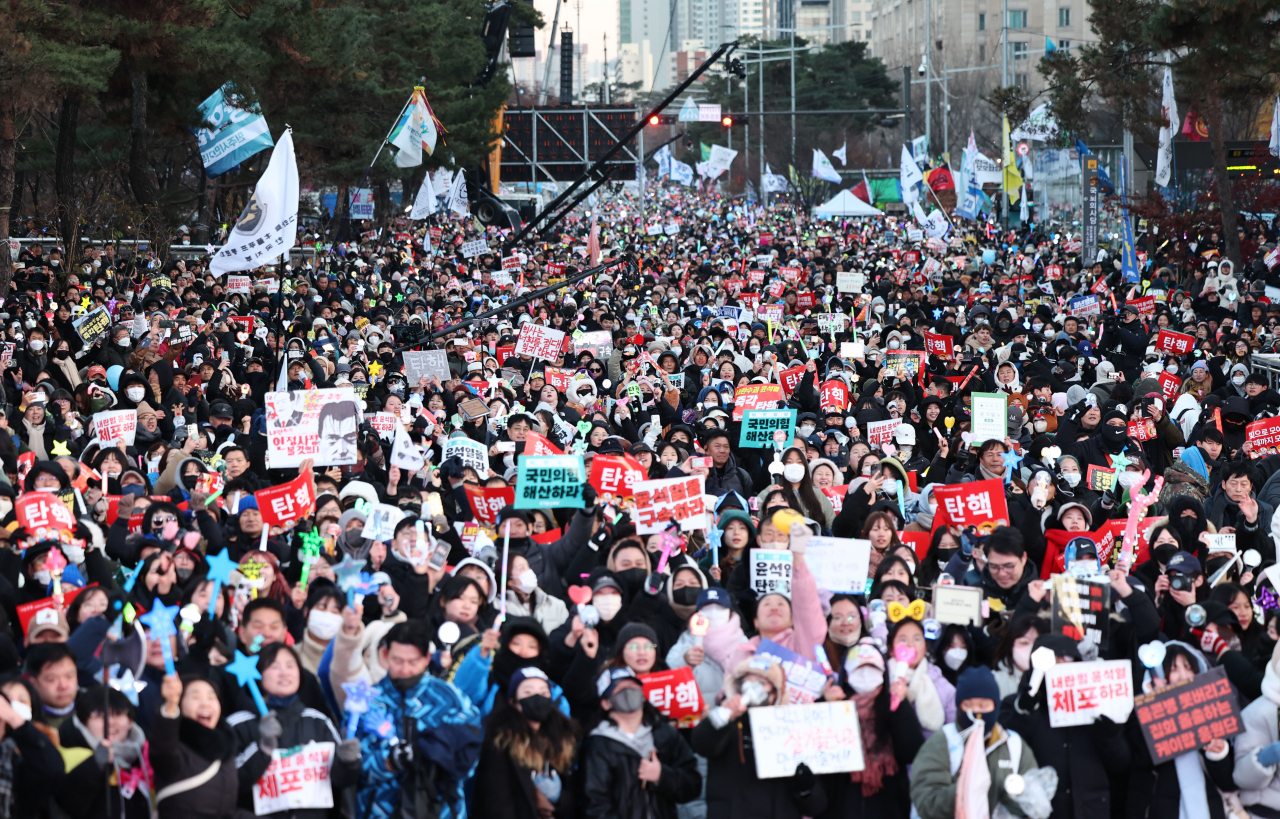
x=1115 y=376
x=700 y=463
x=506 y=446
x=876 y=470
x=434 y=506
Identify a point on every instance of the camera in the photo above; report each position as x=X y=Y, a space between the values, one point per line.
x=1180 y=582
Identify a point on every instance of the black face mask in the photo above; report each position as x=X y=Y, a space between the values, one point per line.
x=1164 y=552
x=536 y=707
x=686 y=596
x=1114 y=438
x=404 y=684
x=62 y=355
x=632 y=579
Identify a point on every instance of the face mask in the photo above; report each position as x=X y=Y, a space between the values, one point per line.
x=21 y=709
x=905 y=453
x=37 y=344
x=891 y=487
x=608 y=606
x=793 y=472
x=1048 y=333
x=1072 y=479
x=536 y=707
x=754 y=692
x=894 y=344
x=526 y=581
x=1237 y=380
x=135 y=393
x=74 y=553
x=879 y=308
x=806 y=431
x=1114 y=437
x=324 y=625
x=42 y=578
x=865 y=679
x=686 y=596
x=627 y=700
x=184 y=574
x=718 y=615
x=754 y=348
x=955 y=657
x=1129 y=479
x=1172 y=369
x=124 y=342
x=1164 y=552
x=1037 y=326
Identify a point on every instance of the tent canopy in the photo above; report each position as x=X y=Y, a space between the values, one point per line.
x=846 y=204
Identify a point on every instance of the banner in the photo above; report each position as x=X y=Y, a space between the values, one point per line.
x=1262 y=436
x=1169 y=388
x=550 y=482
x=296 y=779
x=599 y=343
x=839 y=564
x=1079 y=693
x=1084 y=306
x=834 y=394
x=418 y=363
x=1189 y=715
x=1080 y=609
x=978 y=503
x=825 y=736
x=558 y=377
x=790 y=379
x=1176 y=343
x=537 y=341
x=282 y=505
x=488 y=501
x=234 y=131
x=93 y=326
x=939 y=345
x=755 y=396
x=113 y=425
x=912 y=361
x=471 y=453
x=239 y=284
x=615 y=475
x=1142 y=429
x=675 y=694
x=536 y=444
x=319 y=424
x=660 y=503
x=1146 y=306
x=268 y=226
x=759 y=428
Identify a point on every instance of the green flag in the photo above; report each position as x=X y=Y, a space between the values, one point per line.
x=706 y=151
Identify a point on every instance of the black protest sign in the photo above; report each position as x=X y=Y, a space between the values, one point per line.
x=94 y=325
x=1080 y=609
x=1189 y=715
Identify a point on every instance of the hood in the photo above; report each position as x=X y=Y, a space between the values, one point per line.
x=493 y=582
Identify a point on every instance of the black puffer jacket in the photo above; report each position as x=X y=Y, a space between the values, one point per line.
x=733 y=789
x=611 y=773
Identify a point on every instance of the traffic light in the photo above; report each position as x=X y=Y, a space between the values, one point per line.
x=726 y=121
x=663 y=119
x=729 y=121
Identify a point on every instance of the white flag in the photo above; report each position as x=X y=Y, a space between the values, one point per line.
x=1024 y=211
x=936 y=225
x=681 y=172
x=415 y=130
x=458 y=194
x=1168 y=110
x=405 y=453
x=1274 y=146
x=424 y=204
x=909 y=176
x=823 y=169
x=773 y=182
x=269 y=224
x=842 y=154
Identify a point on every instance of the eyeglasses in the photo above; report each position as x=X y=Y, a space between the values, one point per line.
x=1002 y=568
x=163 y=519
x=641 y=645
x=848 y=620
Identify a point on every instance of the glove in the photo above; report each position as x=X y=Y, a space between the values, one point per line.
x=349 y=750
x=653 y=583
x=588 y=496
x=800 y=535
x=600 y=540
x=1270 y=754
x=269 y=731
x=1210 y=643
x=401 y=756
x=804 y=780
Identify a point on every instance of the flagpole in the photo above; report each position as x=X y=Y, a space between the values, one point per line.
x=386 y=140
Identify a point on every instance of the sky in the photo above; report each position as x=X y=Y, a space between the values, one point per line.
x=598 y=18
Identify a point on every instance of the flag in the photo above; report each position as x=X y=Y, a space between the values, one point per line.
x=1012 y=179
x=664 y=161
x=416 y=129
x=1039 y=124
x=861 y=191
x=706 y=151
x=237 y=133
x=1169 y=115
x=1193 y=127
x=909 y=176
x=1104 y=179
x=1024 y=210
x=791 y=174
x=458 y=195
x=593 y=242
x=681 y=172
x=823 y=169
x=940 y=179
x=424 y=204
x=1049 y=47
x=842 y=154
x=268 y=225
x=1273 y=147
x=971 y=202
x=1128 y=253
x=773 y=182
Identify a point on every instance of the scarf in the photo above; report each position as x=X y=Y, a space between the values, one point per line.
x=35 y=438
x=1193 y=802
x=988 y=474
x=878 y=755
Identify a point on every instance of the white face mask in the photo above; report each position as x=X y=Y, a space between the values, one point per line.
x=526 y=581
x=754 y=348
x=1022 y=657
x=1171 y=369
x=42 y=577
x=1072 y=479
x=955 y=657
x=806 y=431
x=894 y=344
x=1048 y=333
x=1037 y=327
x=324 y=625
x=123 y=342
x=609 y=605
x=891 y=487
x=1129 y=479
x=74 y=553
x=1237 y=380
x=135 y=393
x=717 y=614
x=793 y=472
x=904 y=453
x=37 y=344
x=865 y=679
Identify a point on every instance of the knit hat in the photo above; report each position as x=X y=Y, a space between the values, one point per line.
x=978 y=682
x=633 y=630
x=527 y=673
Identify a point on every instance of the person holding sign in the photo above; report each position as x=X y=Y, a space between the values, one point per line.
x=272 y=747
x=193 y=752
x=792 y=474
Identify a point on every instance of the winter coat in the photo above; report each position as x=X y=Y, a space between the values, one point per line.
x=610 y=765
x=549 y=611
x=301 y=725
x=1154 y=790
x=504 y=787
x=844 y=797
x=548 y=560
x=83 y=793
x=178 y=758
x=709 y=674
x=734 y=791
x=936 y=770
x=1258 y=783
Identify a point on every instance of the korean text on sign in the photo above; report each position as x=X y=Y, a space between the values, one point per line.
x=805 y=678
x=979 y=503
x=1176 y=343
x=771 y=571
x=289 y=502
x=675 y=694
x=488 y=501
x=615 y=475
x=550 y=482
x=1080 y=609
x=1078 y=693
x=759 y=426
x=537 y=341
x=296 y=779
x=1189 y=715
x=1262 y=436
x=663 y=502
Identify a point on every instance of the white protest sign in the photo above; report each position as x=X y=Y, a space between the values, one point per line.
x=880 y=433
x=296 y=779
x=823 y=735
x=319 y=424
x=771 y=572
x=405 y=453
x=1079 y=693
x=381 y=523
x=418 y=363
x=116 y=424
x=474 y=248
x=990 y=417
x=961 y=605
x=384 y=423
x=846 y=282
x=839 y=564
x=537 y=341
x=239 y=284
x=471 y=453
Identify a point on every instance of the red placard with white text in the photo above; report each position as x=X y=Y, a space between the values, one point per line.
x=980 y=503
x=836 y=494
x=37 y=511
x=558 y=377
x=940 y=345
x=503 y=353
x=615 y=474
x=1262 y=435
x=1169 y=386
x=488 y=501
x=536 y=444
x=289 y=502
x=791 y=378
x=1176 y=343
x=834 y=394
x=675 y=694
x=1146 y=306
x=755 y=396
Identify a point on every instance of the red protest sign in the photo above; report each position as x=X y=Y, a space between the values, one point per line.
x=1176 y=343
x=37 y=511
x=980 y=504
x=1169 y=386
x=755 y=396
x=554 y=270
x=836 y=495
x=535 y=444
x=751 y=300
x=790 y=378
x=834 y=394
x=282 y=505
x=615 y=474
x=939 y=345
x=1146 y=305
x=1053 y=272
x=911 y=258
x=805 y=301
x=1099 y=478
x=675 y=694
x=488 y=501
x=503 y=353
x=1189 y=715
x=28 y=611
x=791 y=274
x=1142 y=429
x=755 y=276
x=765 y=239
x=558 y=377
x=775 y=289
x=1262 y=435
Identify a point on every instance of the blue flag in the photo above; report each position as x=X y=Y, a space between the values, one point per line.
x=1104 y=180
x=236 y=132
x=1128 y=253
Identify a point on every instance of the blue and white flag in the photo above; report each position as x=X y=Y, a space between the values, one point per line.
x=1273 y=147
x=664 y=161
x=909 y=176
x=823 y=169
x=970 y=190
x=235 y=133
x=681 y=172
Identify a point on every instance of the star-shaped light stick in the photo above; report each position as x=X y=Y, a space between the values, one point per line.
x=1120 y=462
x=1011 y=460
x=348 y=575
x=160 y=622
x=359 y=695
x=59 y=448
x=245 y=670
x=220 y=568
x=127 y=685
